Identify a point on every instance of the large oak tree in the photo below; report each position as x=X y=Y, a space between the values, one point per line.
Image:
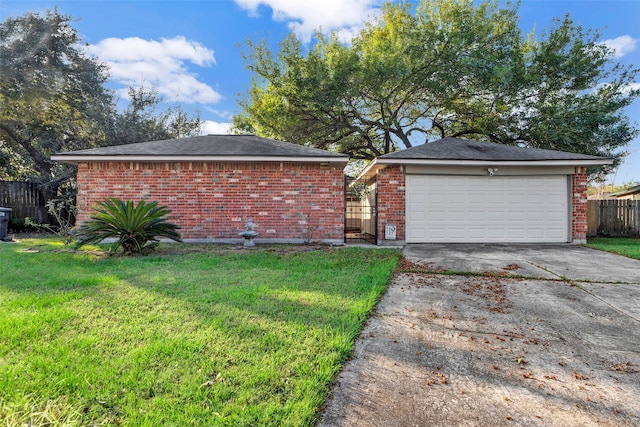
x=53 y=97
x=445 y=68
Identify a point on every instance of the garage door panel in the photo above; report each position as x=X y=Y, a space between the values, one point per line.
x=555 y=199
x=535 y=216
x=486 y=209
x=535 y=233
x=496 y=216
x=515 y=198
x=458 y=233
x=516 y=234
x=473 y=198
x=494 y=233
x=555 y=216
x=458 y=216
x=515 y=216
x=558 y=233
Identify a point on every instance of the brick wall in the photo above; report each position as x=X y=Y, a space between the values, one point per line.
x=579 y=206
x=391 y=205
x=213 y=200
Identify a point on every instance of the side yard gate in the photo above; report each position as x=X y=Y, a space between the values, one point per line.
x=360 y=213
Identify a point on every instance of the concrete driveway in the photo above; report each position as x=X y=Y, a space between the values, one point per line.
x=555 y=342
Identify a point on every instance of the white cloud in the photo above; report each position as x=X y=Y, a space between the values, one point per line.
x=623 y=89
x=210 y=127
x=305 y=17
x=621 y=45
x=225 y=114
x=631 y=86
x=162 y=64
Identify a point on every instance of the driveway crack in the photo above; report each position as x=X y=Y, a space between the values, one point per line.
x=577 y=285
x=541 y=267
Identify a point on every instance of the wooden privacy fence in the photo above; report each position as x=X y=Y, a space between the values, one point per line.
x=25 y=200
x=613 y=218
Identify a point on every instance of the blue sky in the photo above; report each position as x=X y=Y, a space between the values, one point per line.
x=191 y=50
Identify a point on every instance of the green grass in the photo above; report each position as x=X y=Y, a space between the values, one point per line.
x=194 y=335
x=627 y=246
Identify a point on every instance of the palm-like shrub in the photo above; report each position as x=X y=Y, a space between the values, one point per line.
x=137 y=228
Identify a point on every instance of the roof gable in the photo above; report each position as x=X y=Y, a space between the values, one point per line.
x=220 y=147
x=463 y=149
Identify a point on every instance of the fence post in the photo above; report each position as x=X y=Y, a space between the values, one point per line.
x=592 y=218
x=636 y=217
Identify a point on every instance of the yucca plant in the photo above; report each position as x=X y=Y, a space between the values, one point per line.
x=137 y=228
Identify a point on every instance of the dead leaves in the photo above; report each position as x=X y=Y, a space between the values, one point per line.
x=624 y=367
x=490 y=289
x=582 y=377
x=406 y=266
x=437 y=377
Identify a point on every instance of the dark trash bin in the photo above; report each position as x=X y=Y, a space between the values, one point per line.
x=5 y=216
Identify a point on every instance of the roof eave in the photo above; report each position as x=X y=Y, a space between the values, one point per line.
x=448 y=162
x=380 y=163
x=626 y=192
x=75 y=159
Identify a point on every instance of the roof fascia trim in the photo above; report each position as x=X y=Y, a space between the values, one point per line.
x=124 y=158
x=439 y=162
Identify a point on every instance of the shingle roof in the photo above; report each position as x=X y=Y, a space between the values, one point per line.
x=463 y=149
x=626 y=191
x=207 y=146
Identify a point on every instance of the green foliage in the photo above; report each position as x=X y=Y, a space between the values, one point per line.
x=21 y=225
x=141 y=121
x=52 y=95
x=359 y=190
x=445 y=68
x=54 y=99
x=137 y=227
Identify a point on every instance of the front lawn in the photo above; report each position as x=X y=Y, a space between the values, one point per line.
x=193 y=335
x=627 y=246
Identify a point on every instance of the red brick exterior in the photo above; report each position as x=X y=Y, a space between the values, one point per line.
x=391 y=202
x=213 y=200
x=579 y=206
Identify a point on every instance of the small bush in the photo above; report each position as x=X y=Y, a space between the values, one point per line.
x=17 y=225
x=137 y=228
x=64 y=210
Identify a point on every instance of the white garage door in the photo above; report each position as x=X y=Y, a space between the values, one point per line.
x=462 y=209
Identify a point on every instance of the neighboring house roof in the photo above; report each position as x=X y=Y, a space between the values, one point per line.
x=205 y=148
x=627 y=191
x=464 y=152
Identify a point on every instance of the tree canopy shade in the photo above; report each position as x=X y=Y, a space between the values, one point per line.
x=53 y=98
x=445 y=68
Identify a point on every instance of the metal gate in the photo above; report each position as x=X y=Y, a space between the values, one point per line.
x=360 y=211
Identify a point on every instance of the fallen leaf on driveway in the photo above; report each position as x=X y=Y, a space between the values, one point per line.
x=579 y=376
x=625 y=367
